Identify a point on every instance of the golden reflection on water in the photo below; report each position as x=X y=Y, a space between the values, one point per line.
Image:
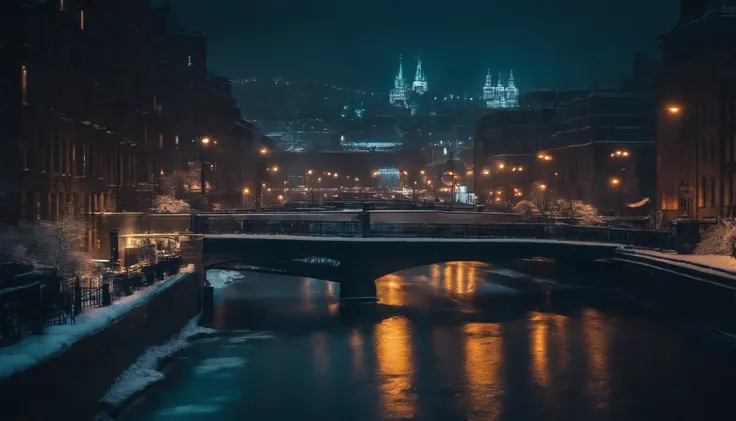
x=483 y=361
x=539 y=347
x=562 y=360
x=394 y=351
x=389 y=290
x=596 y=336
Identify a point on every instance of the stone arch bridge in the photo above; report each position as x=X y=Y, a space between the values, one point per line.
x=357 y=262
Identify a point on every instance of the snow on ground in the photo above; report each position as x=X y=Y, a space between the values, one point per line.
x=144 y=372
x=220 y=279
x=723 y=263
x=55 y=339
x=213 y=365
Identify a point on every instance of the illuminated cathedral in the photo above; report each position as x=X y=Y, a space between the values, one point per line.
x=500 y=96
x=494 y=96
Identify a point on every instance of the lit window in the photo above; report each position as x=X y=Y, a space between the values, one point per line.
x=176 y=140
x=81 y=20
x=61 y=4
x=24 y=83
x=189 y=61
x=160 y=140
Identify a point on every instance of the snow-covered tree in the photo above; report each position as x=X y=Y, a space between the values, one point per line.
x=56 y=244
x=718 y=239
x=526 y=207
x=578 y=210
x=179 y=181
x=166 y=203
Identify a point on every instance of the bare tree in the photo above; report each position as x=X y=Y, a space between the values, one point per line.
x=578 y=210
x=166 y=203
x=718 y=239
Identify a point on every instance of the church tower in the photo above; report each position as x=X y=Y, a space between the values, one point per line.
x=512 y=92
x=398 y=93
x=500 y=94
x=488 y=91
x=420 y=82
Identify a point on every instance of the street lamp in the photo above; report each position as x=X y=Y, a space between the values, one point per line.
x=616 y=184
x=204 y=141
x=674 y=110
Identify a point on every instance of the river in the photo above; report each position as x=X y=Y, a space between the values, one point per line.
x=453 y=341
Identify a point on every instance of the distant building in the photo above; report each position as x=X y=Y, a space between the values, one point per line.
x=399 y=92
x=500 y=96
x=420 y=81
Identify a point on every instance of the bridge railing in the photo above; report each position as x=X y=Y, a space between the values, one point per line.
x=635 y=237
x=308 y=228
x=640 y=238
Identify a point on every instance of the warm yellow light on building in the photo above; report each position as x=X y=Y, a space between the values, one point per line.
x=615 y=181
x=246 y=191
x=674 y=110
x=280 y=197
x=486 y=172
x=263 y=151
x=543 y=187
x=500 y=166
x=205 y=140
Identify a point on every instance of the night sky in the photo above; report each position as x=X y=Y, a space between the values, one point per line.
x=548 y=43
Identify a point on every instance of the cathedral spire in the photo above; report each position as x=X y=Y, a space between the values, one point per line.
x=420 y=82
x=398 y=93
x=511 y=79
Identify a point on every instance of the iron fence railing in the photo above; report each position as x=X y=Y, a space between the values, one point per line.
x=52 y=300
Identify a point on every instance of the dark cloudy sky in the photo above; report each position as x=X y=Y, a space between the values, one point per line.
x=564 y=43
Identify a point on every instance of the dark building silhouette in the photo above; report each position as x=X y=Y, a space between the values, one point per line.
x=101 y=99
x=696 y=135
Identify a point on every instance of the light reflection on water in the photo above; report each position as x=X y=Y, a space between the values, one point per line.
x=431 y=351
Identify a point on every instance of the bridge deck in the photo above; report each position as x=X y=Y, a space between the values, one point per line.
x=215 y=237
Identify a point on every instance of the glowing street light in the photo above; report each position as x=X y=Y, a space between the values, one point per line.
x=542 y=187
x=309 y=172
x=263 y=151
x=205 y=140
x=500 y=166
x=486 y=171
x=246 y=191
x=615 y=182
x=674 y=110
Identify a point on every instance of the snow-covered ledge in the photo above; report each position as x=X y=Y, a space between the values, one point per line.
x=34 y=349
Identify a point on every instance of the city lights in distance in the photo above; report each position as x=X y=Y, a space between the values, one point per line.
x=620 y=154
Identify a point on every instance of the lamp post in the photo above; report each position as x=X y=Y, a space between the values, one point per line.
x=202 y=143
x=260 y=169
x=616 y=184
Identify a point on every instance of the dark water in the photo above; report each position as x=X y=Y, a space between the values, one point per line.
x=446 y=343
